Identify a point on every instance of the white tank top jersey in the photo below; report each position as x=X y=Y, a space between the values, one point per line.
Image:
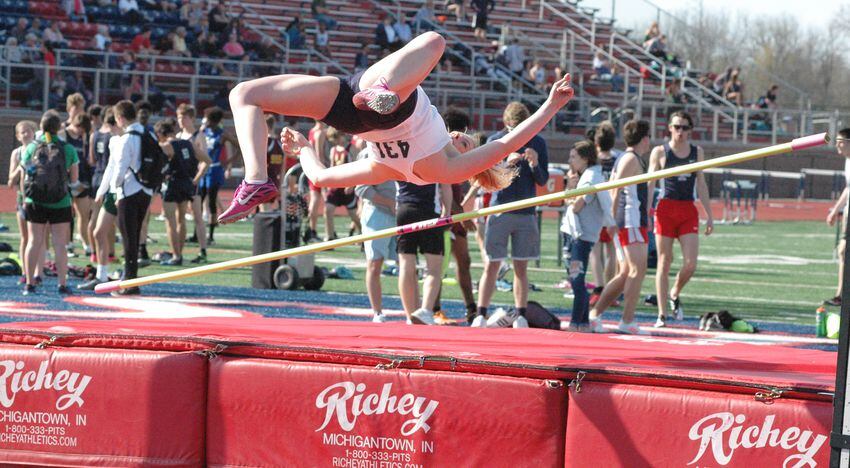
x=421 y=135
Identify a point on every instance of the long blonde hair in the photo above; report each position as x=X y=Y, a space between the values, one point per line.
x=490 y=180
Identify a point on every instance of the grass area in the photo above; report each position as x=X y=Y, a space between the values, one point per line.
x=773 y=271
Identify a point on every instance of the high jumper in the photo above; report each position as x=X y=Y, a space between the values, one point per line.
x=385 y=106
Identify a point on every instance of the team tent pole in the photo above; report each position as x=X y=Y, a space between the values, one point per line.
x=797 y=144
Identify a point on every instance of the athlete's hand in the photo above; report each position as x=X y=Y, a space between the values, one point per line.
x=530 y=155
x=709 y=226
x=513 y=158
x=292 y=141
x=831 y=217
x=561 y=92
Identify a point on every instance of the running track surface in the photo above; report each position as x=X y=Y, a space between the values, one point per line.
x=770 y=210
x=164 y=301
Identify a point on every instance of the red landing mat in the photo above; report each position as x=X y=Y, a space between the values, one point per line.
x=286 y=392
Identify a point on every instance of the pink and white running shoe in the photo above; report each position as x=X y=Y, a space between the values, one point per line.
x=247 y=197
x=378 y=97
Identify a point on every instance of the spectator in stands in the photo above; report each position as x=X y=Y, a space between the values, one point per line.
x=514 y=56
x=25 y=134
x=53 y=37
x=720 y=81
x=165 y=44
x=232 y=48
x=320 y=12
x=456 y=7
x=519 y=227
x=630 y=209
x=676 y=98
x=403 y=30
x=162 y=5
x=75 y=9
x=537 y=75
x=651 y=33
x=295 y=32
x=19 y=30
x=733 y=90
x=424 y=20
x=335 y=197
x=842 y=146
x=129 y=9
x=36 y=27
x=676 y=216
x=132 y=198
x=12 y=52
x=102 y=40
x=385 y=36
x=377 y=212
x=481 y=9
x=42 y=211
x=141 y=43
x=178 y=42
x=191 y=13
x=361 y=60
x=202 y=28
x=585 y=217
x=768 y=100
x=321 y=40
x=601 y=66
x=218 y=21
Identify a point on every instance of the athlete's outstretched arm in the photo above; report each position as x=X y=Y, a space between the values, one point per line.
x=477 y=160
x=362 y=172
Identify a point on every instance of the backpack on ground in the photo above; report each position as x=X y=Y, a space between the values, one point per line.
x=539 y=317
x=153 y=160
x=46 y=177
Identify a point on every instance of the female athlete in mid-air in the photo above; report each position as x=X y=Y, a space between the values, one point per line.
x=385 y=106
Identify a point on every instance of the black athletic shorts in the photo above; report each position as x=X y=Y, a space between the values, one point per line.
x=346 y=118
x=38 y=214
x=338 y=197
x=429 y=241
x=178 y=191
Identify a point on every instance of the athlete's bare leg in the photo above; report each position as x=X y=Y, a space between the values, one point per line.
x=407 y=67
x=290 y=95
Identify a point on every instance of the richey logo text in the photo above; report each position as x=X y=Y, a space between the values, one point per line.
x=348 y=401
x=725 y=432
x=13 y=380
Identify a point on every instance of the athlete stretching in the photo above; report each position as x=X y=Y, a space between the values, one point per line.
x=406 y=136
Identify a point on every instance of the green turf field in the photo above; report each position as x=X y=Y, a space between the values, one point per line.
x=776 y=271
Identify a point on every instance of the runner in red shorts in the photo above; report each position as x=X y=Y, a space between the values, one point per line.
x=676 y=215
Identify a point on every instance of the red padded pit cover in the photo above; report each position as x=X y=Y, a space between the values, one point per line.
x=96 y=407
x=524 y=353
x=632 y=426
x=277 y=413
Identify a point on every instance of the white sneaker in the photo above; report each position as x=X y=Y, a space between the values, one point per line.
x=629 y=328
x=520 y=322
x=661 y=322
x=423 y=317
x=479 y=321
x=378 y=318
x=596 y=325
x=678 y=310
x=502 y=319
